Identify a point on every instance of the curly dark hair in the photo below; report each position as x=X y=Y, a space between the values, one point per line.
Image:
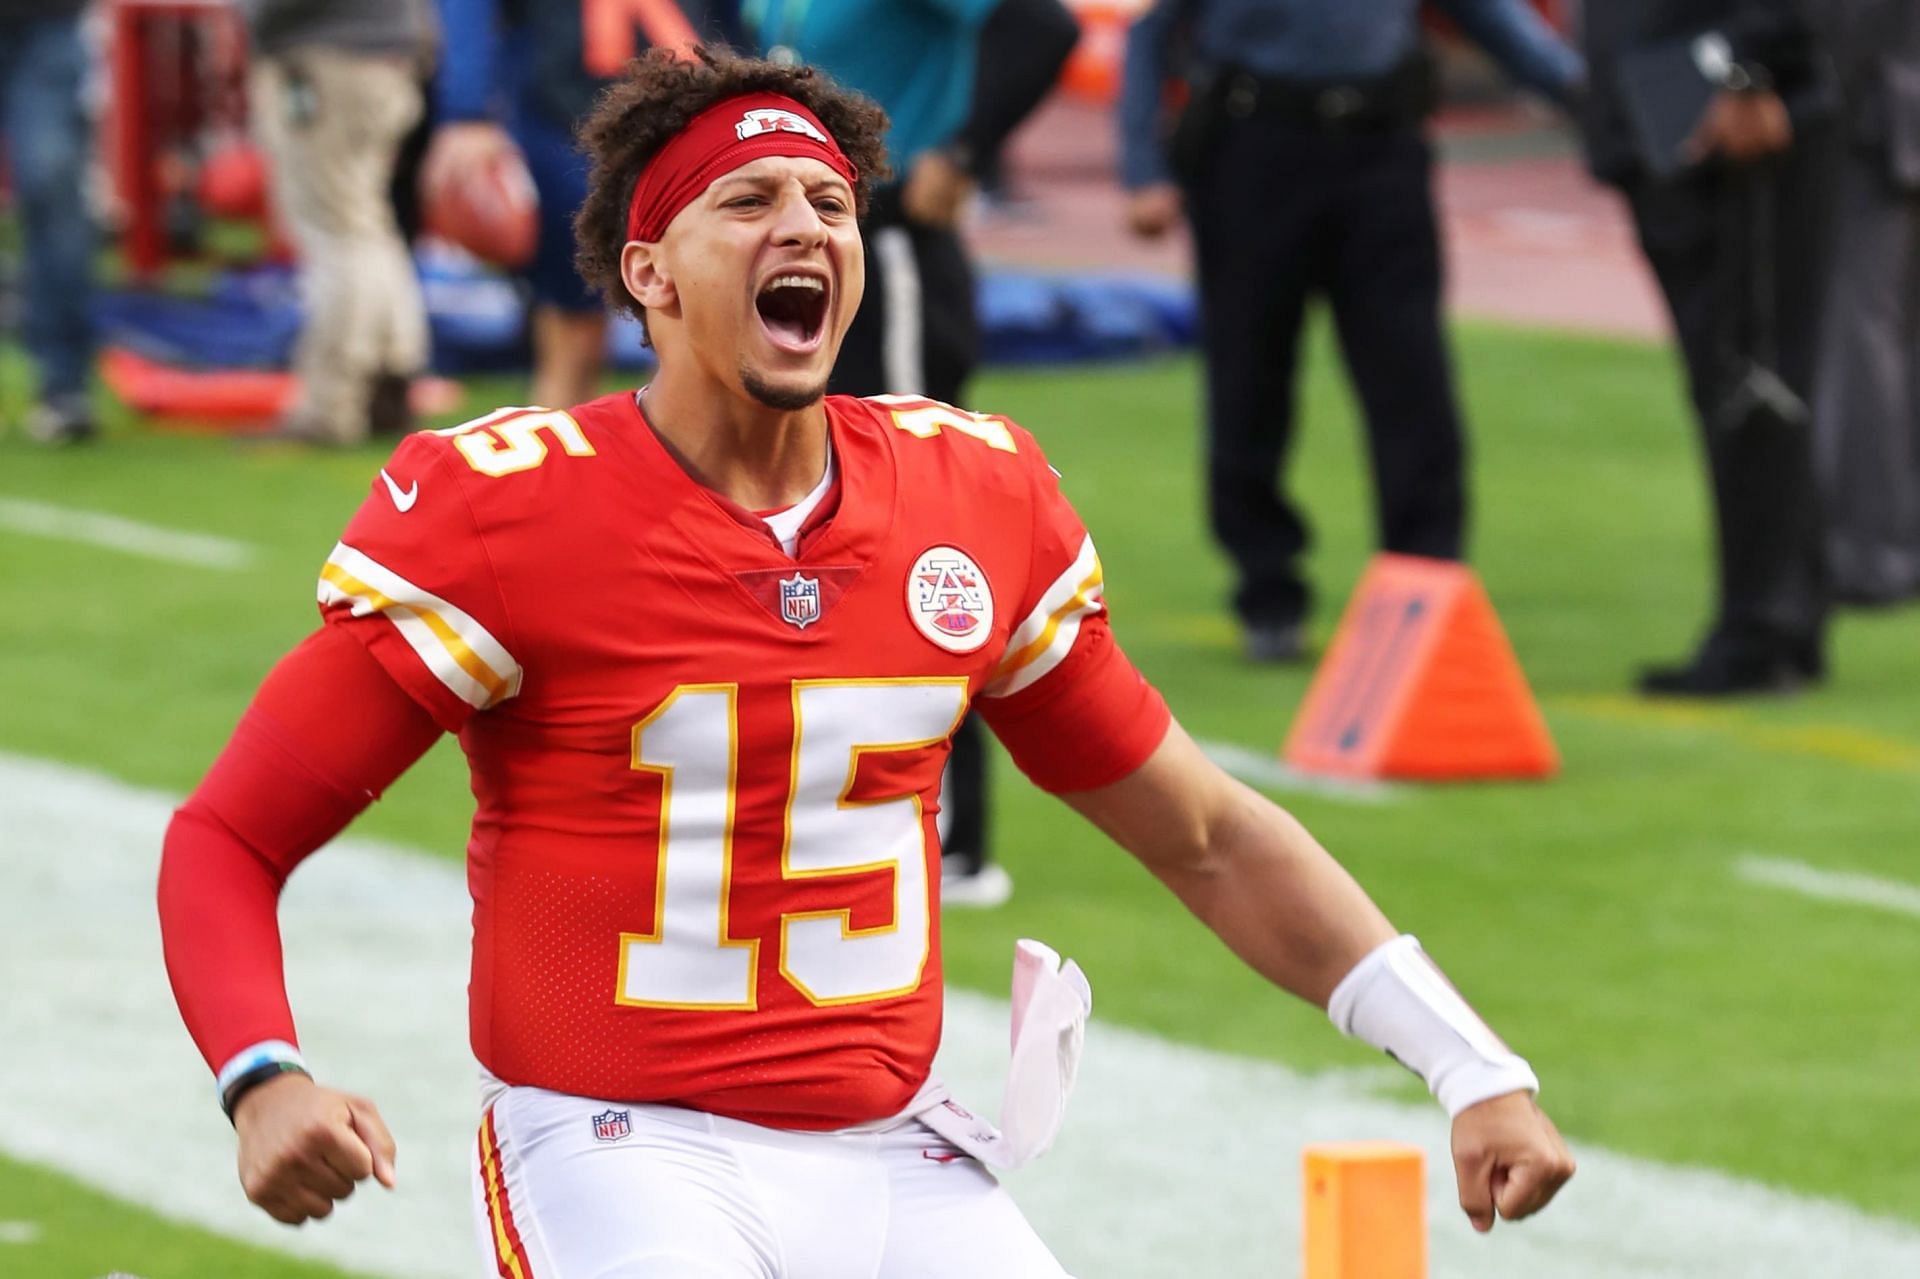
x=654 y=100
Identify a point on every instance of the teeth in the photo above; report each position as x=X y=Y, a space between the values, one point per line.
x=796 y=282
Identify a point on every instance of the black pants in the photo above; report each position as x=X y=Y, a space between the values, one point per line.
x=1701 y=236
x=916 y=334
x=1281 y=212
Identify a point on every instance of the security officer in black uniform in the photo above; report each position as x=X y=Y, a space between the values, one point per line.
x=1733 y=223
x=1301 y=162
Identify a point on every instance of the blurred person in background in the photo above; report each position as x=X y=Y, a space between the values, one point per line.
x=951 y=103
x=42 y=65
x=1024 y=47
x=515 y=75
x=1867 y=410
x=1734 y=233
x=1301 y=163
x=335 y=88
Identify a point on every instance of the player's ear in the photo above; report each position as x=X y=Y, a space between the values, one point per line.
x=646 y=275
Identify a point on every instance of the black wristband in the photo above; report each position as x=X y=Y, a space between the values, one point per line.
x=253 y=1079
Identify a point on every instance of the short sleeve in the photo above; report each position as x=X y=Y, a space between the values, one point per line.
x=411 y=580
x=1071 y=709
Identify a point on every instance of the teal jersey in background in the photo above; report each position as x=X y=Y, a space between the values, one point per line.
x=914 y=57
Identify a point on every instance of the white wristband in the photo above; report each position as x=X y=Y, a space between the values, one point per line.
x=1397 y=1000
x=266 y=1053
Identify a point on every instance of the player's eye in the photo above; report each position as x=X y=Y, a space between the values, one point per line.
x=830 y=204
x=745 y=202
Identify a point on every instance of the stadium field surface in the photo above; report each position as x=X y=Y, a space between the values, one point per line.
x=1703 y=933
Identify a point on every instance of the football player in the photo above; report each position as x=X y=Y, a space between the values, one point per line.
x=704 y=647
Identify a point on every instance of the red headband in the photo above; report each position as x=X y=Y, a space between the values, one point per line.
x=718 y=141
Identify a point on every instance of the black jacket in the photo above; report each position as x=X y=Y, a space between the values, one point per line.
x=1772 y=33
x=1876 y=53
x=28 y=10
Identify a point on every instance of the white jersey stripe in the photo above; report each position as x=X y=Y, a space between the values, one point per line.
x=339 y=587
x=459 y=651
x=1043 y=640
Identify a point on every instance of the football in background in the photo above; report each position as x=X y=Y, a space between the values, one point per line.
x=491 y=210
x=233 y=182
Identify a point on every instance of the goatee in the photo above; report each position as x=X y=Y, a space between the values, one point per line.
x=786 y=398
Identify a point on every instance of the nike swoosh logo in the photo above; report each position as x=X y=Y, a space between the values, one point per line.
x=403 y=501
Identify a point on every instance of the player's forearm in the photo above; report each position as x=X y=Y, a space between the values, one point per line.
x=1277 y=898
x=1248 y=870
x=221 y=937
x=295 y=772
x=1294 y=914
x=1257 y=878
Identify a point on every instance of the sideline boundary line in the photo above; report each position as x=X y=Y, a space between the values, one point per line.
x=377 y=941
x=117 y=533
x=1852 y=888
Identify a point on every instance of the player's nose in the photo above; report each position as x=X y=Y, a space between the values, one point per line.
x=796 y=221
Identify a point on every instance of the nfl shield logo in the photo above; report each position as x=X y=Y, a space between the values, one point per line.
x=612 y=1125
x=800 y=600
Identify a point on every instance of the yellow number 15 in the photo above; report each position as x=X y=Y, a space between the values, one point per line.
x=926 y=419
x=508 y=440
x=693 y=958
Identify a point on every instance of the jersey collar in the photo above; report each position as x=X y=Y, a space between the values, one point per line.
x=849 y=525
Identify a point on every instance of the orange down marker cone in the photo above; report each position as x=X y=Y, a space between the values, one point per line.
x=1366 y=1211
x=1420 y=683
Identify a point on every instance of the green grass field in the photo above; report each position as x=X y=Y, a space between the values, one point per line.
x=1673 y=1010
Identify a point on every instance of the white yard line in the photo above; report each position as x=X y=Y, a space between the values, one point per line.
x=1849 y=887
x=116 y=533
x=1174 y=1162
x=19 y=1232
x=1267 y=772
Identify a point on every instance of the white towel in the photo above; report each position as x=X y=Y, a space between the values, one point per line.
x=1051 y=1003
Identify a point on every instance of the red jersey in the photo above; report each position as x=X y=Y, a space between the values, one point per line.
x=704 y=862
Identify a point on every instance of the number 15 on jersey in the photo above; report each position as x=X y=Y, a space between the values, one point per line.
x=693 y=959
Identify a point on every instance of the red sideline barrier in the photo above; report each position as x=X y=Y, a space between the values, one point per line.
x=238 y=401
x=213 y=399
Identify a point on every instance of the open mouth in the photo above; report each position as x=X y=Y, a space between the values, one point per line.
x=793 y=309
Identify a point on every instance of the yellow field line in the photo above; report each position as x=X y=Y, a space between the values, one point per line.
x=1833 y=742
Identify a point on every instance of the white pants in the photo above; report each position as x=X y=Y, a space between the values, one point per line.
x=571 y=1188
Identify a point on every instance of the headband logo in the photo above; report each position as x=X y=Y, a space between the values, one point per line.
x=774 y=120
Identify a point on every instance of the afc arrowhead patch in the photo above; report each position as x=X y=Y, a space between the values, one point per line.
x=613 y=1125
x=950 y=599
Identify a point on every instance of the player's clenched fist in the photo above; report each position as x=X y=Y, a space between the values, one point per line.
x=302 y=1147
x=1509 y=1159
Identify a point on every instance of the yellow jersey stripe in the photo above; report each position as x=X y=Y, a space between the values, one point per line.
x=452 y=644
x=1084 y=599
x=457 y=648
x=1046 y=635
